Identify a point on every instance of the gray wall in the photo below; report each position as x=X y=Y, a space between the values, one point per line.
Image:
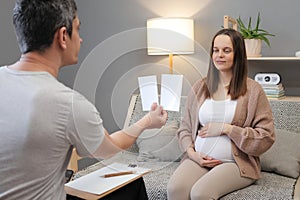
x=8 y=44
x=114 y=54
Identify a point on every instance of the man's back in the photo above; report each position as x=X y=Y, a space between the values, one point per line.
x=32 y=144
x=36 y=111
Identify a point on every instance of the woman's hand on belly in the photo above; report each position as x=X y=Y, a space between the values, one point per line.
x=202 y=159
x=213 y=129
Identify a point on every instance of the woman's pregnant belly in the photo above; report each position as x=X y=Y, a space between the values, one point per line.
x=217 y=147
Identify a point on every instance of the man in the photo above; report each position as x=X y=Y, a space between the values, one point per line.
x=41 y=119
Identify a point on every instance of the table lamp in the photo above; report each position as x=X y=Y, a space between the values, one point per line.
x=168 y=36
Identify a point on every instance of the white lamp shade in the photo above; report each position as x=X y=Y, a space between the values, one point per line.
x=170 y=36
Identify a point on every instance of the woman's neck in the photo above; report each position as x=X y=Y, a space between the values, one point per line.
x=225 y=78
x=221 y=93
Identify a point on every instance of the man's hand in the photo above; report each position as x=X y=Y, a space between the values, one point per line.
x=156 y=118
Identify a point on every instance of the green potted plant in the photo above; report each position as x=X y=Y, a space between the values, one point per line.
x=253 y=36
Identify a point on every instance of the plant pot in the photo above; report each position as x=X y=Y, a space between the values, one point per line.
x=253 y=47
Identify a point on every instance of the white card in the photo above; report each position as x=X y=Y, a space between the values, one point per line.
x=171 y=87
x=148 y=90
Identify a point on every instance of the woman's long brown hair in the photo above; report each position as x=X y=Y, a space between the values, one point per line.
x=238 y=83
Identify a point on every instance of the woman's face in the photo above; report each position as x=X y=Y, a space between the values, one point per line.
x=223 y=53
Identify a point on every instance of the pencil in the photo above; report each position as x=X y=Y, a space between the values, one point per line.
x=118 y=174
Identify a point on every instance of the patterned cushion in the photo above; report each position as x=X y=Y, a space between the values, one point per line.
x=159 y=144
x=284 y=156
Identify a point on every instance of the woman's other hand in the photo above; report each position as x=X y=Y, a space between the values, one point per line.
x=201 y=159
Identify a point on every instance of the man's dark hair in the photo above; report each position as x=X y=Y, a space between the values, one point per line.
x=36 y=22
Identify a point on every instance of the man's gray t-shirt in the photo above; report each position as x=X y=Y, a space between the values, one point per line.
x=41 y=120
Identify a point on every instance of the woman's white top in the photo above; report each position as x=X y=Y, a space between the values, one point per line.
x=218 y=147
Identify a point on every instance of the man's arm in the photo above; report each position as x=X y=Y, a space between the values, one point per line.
x=123 y=139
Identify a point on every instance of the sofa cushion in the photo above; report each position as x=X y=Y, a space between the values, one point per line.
x=284 y=156
x=159 y=144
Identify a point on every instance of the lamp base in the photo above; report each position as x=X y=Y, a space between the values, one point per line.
x=171 y=63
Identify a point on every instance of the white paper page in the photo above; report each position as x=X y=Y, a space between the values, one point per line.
x=95 y=183
x=148 y=90
x=171 y=87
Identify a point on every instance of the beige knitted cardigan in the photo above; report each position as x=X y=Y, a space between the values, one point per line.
x=253 y=126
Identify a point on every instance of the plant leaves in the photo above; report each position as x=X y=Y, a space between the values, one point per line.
x=253 y=33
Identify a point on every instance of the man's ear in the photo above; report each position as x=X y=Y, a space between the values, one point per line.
x=62 y=36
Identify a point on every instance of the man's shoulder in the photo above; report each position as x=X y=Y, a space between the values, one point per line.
x=56 y=91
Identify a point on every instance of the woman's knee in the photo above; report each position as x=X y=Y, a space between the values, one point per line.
x=203 y=193
x=177 y=190
x=174 y=187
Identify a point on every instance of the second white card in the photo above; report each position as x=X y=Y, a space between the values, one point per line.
x=171 y=86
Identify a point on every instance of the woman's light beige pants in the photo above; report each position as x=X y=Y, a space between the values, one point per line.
x=190 y=181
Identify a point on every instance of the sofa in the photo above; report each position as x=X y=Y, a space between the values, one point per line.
x=158 y=150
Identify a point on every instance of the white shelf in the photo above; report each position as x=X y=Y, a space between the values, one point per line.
x=282 y=58
x=274 y=58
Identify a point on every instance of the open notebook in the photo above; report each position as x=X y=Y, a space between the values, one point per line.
x=97 y=185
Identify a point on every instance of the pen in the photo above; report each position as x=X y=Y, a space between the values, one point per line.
x=118 y=174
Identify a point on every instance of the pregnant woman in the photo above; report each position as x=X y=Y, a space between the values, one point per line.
x=226 y=126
